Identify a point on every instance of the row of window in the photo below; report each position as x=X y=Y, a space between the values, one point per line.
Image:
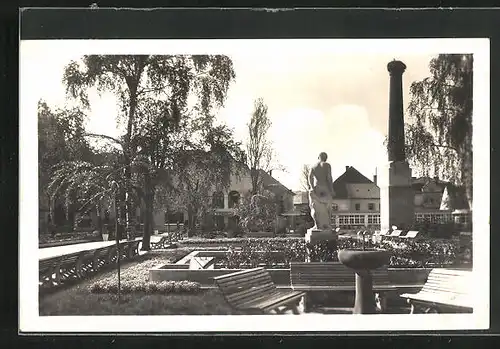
x=359 y=219
x=433 y=217
x=357 y=207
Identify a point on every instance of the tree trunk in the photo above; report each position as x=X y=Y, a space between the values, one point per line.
x=129 y=218
x=191 y=221
x=148 y=217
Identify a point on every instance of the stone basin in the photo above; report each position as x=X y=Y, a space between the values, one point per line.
x=361 y=261
x=367 y=259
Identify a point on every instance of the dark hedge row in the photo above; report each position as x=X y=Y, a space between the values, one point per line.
x=278 y=253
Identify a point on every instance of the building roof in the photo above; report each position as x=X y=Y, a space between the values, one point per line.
x=350 y=176
x=270 y=181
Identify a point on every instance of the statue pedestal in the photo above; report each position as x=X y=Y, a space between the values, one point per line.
x=314 y=236
x=362 y=262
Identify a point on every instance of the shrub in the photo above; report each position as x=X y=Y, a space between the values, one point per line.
x=257 y=212
x=149 y=287
x=279 y=252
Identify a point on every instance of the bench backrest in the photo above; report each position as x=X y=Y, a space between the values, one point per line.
x=442 y=280
x=48 y=263
x=244 y=286
x=396 y=233
x=412 y=234
x=71 y=258
x=331 y=274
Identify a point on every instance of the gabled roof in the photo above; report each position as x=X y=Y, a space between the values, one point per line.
x=350 y=176
x=270 y=181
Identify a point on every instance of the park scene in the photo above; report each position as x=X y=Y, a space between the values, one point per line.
x=230 y=185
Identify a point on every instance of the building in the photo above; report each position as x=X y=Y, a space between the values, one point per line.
x=224 y=202
x=357 y=201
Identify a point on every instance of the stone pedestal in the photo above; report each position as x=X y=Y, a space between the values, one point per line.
x=396 y=196
x=314 y=236
x=321 y=245
x=362 y=262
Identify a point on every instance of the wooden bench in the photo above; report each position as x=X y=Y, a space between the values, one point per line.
x=69 y=267
x=101 y=257
x=133 y=248
x=47 y=269
x=446 y=290
x=334 y=276
x=253 y=291
x=164 y=242
x=85 y=264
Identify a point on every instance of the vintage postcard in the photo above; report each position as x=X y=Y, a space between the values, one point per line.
x=254 y=185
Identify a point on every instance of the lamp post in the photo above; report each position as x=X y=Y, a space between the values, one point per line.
x=115 y=188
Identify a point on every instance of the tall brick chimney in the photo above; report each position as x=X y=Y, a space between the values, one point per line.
x=396 y=194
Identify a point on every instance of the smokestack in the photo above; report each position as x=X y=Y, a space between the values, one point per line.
x=346 y=168
x=396 y=146
x=375 y=179
x=271 y=173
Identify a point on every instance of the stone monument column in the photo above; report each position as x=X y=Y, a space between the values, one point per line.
x=396 y=193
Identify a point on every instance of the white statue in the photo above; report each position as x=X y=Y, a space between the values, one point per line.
x=321 y=193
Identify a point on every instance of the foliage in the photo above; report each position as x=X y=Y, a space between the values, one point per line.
x=259 y=150
x=304 y=177
x=439 y=135
x=86 y=186
x=130 y=286
x=324 y=251
x=60 y=138
x=152 y=95
x=257 y=212
x=79 y=300
x=279 y=252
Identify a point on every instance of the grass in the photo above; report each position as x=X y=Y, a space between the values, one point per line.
x=77 y=299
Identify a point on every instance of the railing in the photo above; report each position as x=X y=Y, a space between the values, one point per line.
x=61 y=269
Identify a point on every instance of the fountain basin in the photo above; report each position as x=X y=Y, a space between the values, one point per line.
x=361 y=261
x=367 y=259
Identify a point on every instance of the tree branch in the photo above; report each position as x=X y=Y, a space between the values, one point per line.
x=95 y=135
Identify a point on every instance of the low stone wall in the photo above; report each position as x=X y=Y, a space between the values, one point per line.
x=205 y=277
x=407 y=278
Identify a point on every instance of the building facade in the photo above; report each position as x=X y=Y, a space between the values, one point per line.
x=357 y=201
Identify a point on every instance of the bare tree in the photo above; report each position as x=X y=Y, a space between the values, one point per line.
x=304 y=177
x=259 y=149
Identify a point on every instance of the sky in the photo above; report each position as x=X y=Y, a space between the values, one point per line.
x=335 y=102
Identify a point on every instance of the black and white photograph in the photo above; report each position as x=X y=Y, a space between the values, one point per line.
x=254 y=185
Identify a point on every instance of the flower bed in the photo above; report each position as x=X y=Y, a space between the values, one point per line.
x=408 y=254
x=135 y=278
x=238 y=240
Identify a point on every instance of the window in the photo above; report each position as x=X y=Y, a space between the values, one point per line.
x=335 y=207
x=218 y=200
x=357 y=207
x=373 y=219
x=371 y=206
x=233 y=199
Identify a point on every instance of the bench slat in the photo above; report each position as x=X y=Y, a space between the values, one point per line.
x=330 y=275
x=447 y=287
x=246 y=283
x=237 y=274
x=253 y=289
x=277 y=299
x=242 y=279
x=241 y=297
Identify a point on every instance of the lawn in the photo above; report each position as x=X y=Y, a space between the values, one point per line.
x=79 y=300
